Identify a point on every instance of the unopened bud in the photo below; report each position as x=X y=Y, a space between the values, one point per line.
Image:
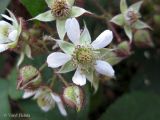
x=74 y=97
x=29 y=78
x=123 y=49
x=143 y=39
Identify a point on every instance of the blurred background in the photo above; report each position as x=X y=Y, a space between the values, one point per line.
x=133 y=95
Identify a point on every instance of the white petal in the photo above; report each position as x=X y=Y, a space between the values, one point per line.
x=79 y=78
x=28 y=94
x=57 y=59
x=37 y=93
x=103 y=39
x=3 y=47
x=59 y=103
x=73 y=30
x=5 y=24
x=56 y=97
x=4 y=39
x=46 y=108
x=8 y=18
x=15 y=22
x=104 y=68
x=13 y=35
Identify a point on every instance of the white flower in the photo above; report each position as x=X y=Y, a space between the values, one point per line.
x=46 y=99
x=82 y=54
x=60 y=10
x=9 y=33
x=130 y=18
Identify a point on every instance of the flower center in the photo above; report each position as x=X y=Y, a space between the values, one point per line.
x=60 y=9
x=5 y=31
x=132 y=16
x=83 y=55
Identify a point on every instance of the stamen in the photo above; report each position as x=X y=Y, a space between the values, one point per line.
x=132 y=16
x=60 y=9
x=83 y=56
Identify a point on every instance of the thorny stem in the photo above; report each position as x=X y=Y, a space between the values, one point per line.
x=118 y=38
x=61 y=79
x=42 y=66
x=44 y=45
x=52 y=81
x=98 y=6
x=47 y=27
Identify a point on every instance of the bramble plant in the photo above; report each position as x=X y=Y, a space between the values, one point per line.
x=75 y=53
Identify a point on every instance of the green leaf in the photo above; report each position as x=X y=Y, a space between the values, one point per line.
x=136 y=6
x=128 y=31
x=45 y=17
x=5 y=106
x=85 y=38
x=147 y=77
x=12 y=81
x=118 y=20
x=134 y=106
x=123 y=6
x=67 y=47
x=68 y=67
x=141 y=25
x=34 y=7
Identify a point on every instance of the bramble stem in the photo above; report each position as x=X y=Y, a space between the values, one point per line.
x=104 y=18
x=62 y=79
x=42 y=66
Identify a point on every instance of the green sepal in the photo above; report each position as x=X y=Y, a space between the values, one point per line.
x=118 y=20
x=67 y=47
x=123 y=6
x=68 y=67
x=128 y=31
x=140 y=25
x=85 y=38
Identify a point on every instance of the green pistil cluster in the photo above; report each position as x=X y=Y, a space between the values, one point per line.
x=83 y=56
x=5 y=31
x=61 y=9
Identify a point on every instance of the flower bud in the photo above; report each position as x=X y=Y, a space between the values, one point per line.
x=44 y=98
x=123 y=49
x=73 y=96
x=47 y=99
x=29 y=78
x=142 y=39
